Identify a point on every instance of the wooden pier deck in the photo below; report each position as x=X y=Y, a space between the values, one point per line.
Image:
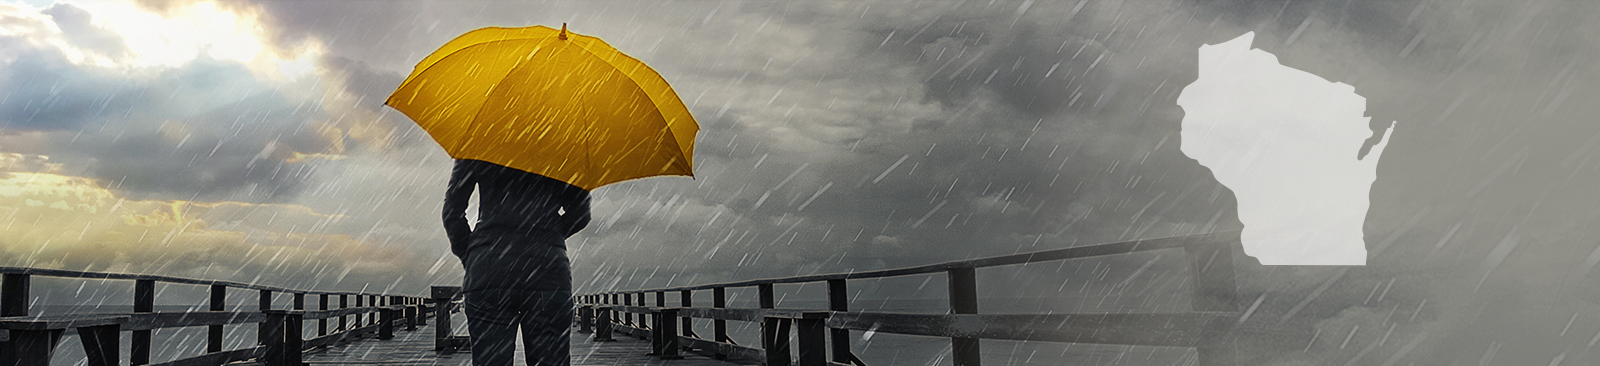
x=415 y=348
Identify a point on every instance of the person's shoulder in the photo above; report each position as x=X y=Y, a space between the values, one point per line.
x=479 y=165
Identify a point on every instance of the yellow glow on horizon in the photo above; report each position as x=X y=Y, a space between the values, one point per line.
x=51 y=220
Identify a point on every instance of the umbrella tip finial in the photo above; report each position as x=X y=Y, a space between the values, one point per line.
x=563 y=35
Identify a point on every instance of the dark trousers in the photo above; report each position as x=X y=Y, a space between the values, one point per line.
x=544 y=317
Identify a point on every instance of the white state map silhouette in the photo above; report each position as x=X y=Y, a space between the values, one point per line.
x=1287 y=143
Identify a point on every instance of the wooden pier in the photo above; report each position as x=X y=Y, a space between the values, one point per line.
x=388 y=329
x=417 y=349
x=822 y=336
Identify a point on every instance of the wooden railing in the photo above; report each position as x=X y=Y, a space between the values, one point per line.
x=26 y=339
x=1209 y=326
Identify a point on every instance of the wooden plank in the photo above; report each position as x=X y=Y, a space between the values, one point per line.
x=216 y=358
x=60 y=322
x=325 y=314
x=171 y=319
x=1181 y=330
x=749 y=314
x=731 y=350
x=416 y=348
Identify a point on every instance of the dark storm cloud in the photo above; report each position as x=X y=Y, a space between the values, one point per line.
x=370 y=85
x=45 y=92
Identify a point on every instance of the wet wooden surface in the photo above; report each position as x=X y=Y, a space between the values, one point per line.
x=415 y=348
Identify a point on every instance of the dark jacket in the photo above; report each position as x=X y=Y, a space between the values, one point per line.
x=523 y=220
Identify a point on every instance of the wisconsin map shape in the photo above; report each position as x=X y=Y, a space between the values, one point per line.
x=1287 y=143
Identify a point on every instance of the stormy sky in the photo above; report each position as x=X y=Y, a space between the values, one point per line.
x=247 y=141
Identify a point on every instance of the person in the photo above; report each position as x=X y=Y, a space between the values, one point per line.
x=517 y=272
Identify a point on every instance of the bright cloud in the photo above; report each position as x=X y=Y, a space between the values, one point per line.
x=167 y=38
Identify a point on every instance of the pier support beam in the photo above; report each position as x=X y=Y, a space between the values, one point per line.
x=586 y=319
x=282 y=337
x=144 y=301
x=219 y=297
x=443 y=341
x=14 y=295
x=602 y=327
x=386 y=319
x=839 y=300
x=31 y=347
x=963 y=300
x=719 y=300
x=686 y=297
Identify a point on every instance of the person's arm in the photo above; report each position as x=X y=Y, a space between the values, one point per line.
x=462 y=182
x=576 y=206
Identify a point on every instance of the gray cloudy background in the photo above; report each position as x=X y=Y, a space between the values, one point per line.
x=851 y=136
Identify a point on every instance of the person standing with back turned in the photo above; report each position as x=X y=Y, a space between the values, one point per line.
x=517 y=272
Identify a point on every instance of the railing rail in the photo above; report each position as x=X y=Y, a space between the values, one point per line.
x=27 y=339
x=1208 y=327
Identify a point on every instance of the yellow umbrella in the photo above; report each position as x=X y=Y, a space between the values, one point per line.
x=551 y=102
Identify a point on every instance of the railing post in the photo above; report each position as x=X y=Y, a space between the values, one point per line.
x=14 y=294
x=686 y=298
x=839 y=300
x=30 y=347
x=813 y=340
x=586 y=318
x=719 y=327
x=657 y=340
x=322 y=324
x=775 y=335
x=657 y=329
x=100 y=344
x=774 y=331
x=379 y=300
x=669 y=334
x=643 y=323
x=963 y=300
x=144 y=300
x=219 y=297
x=413 y=313
x=299 y=304
x=14 y=302
x=344 y=303
x=602 y=327
x=292 y=341
x=272 y=337
x=627 y=317
x=360 y=320
x=1214 y=290
x=262 y=328
x=441 y=299
x=386 y=320
x=422 y=308
x=282 y=332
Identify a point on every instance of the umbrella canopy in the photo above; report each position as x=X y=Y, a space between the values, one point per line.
x=550 y=102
